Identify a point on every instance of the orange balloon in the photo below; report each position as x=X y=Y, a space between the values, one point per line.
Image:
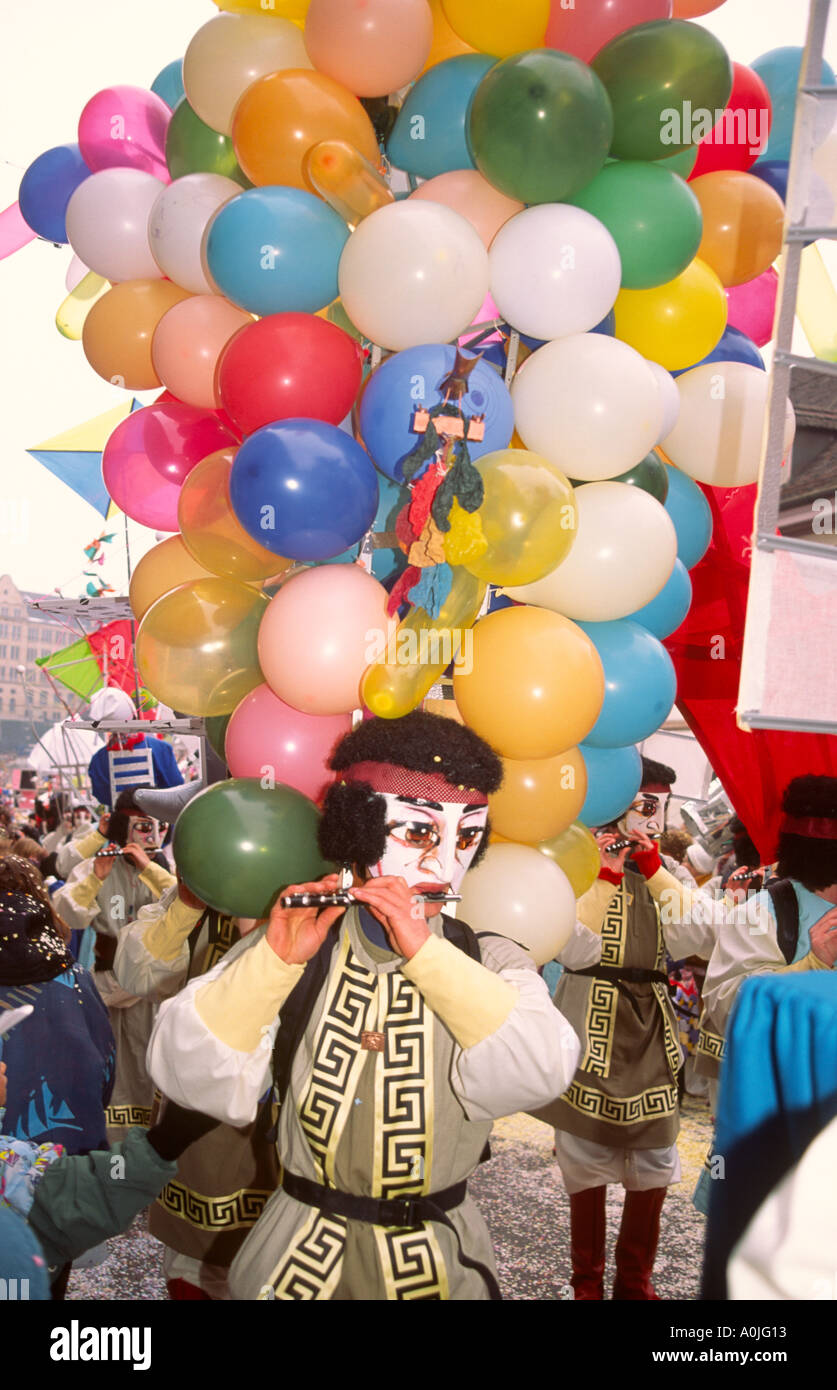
x=187 y=343
x=536 y=684
x=211 y=531
x=742 y=224
x=473 y=197
x=446 y=42
x=693 y=9
x=539 y=797
x=118 y=330
x=282 y=115
x=160 y=570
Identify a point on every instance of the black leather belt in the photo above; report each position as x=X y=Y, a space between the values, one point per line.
x=622 y=974
x=402 y=1212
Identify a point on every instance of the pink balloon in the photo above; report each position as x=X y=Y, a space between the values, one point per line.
x=753 y=305
x=587 y=27
x=150 y=453
x=320 y=632
x=266 y=737
x=125 y=127
x=186 y=347
x=473 y=197
x=486 y=313
x=14 y=232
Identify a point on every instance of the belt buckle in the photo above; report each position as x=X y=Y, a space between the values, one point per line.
x=405 y=1211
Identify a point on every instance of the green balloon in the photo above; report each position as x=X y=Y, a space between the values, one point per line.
x=649 y=475
x=662 y=78
x=192 y=147
x=540 y=126
x=652 y=215
x=238 y=844
x=216 y=732
x=682 y=163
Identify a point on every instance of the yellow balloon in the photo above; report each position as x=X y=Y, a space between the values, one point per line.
x=446 y=44
x=211 y=531
x=421 y=648
x=294 y=10
x=160 y=570
x=197 y=646
x=539 y=798
x=675 y=324
x=536 y=684
x=528 y=517
x=495 y=26
x=72 y=312
x=347 y=181
x=576 y=852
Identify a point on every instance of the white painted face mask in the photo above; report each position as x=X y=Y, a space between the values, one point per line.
x=430 y=844
x=646 y=814
x=145 y=832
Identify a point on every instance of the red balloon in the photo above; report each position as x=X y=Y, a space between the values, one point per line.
x=583 y=29
x=287 y=367
x=166 y=398
x=740 y=136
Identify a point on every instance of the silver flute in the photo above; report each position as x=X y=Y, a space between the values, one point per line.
x=345 y=898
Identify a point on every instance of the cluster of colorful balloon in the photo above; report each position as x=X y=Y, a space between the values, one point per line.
x=595 y=180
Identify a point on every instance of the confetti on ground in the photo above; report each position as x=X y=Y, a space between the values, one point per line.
x=523 y=1200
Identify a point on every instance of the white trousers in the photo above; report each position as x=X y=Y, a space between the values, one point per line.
x=585 y=1164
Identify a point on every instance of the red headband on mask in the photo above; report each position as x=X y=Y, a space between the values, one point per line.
x=812 y=827
x=403 y=781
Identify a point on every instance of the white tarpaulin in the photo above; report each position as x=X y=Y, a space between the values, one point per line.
x=64 y=748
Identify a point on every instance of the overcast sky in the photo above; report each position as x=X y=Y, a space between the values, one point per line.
x=53 y=56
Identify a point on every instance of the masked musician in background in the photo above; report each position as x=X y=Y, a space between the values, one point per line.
x=119 y=871
x=619 y=1119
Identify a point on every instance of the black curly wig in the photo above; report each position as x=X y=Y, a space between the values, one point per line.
x=657 y=774
x=812 y=862
x=353 y=825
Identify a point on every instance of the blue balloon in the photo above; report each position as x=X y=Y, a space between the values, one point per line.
x=47 y=187
x=773 y=172
x=388 y=561
x=779 y=71
x=411 y=379
x=275 y=249
x=429 y=137
x=168 y=84
x=614 y=776
x=303 y=489
x=640 y=683
x=689 y=510
x=734 y=346
x=664 y=614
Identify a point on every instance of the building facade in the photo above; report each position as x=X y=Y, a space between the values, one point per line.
x=26 y=696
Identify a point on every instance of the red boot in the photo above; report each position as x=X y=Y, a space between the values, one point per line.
x=180 y=1290
x=587 y=1242
x=637 y=1244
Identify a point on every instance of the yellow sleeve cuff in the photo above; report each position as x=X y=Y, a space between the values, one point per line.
x=157 y=879
x=809 y=962
x=247 y=996
x=471 y=1000
x=662 y=884
x=90 y=845
x=592 y=906
x=165 y=935
x=86 y=890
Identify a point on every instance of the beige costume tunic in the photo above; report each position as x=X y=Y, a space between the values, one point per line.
x=108 y=905
x=223 y=1179
x=464 y=1044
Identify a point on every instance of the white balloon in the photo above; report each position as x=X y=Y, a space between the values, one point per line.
x=588 y=403
x=510 y=893
x=554 y=270
x=669 y=398
x=177 y=223
x=623 y=553
x=413 y=272
x=76 y=272
x=723 y=410
x=107 y=223
x=231 y=52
